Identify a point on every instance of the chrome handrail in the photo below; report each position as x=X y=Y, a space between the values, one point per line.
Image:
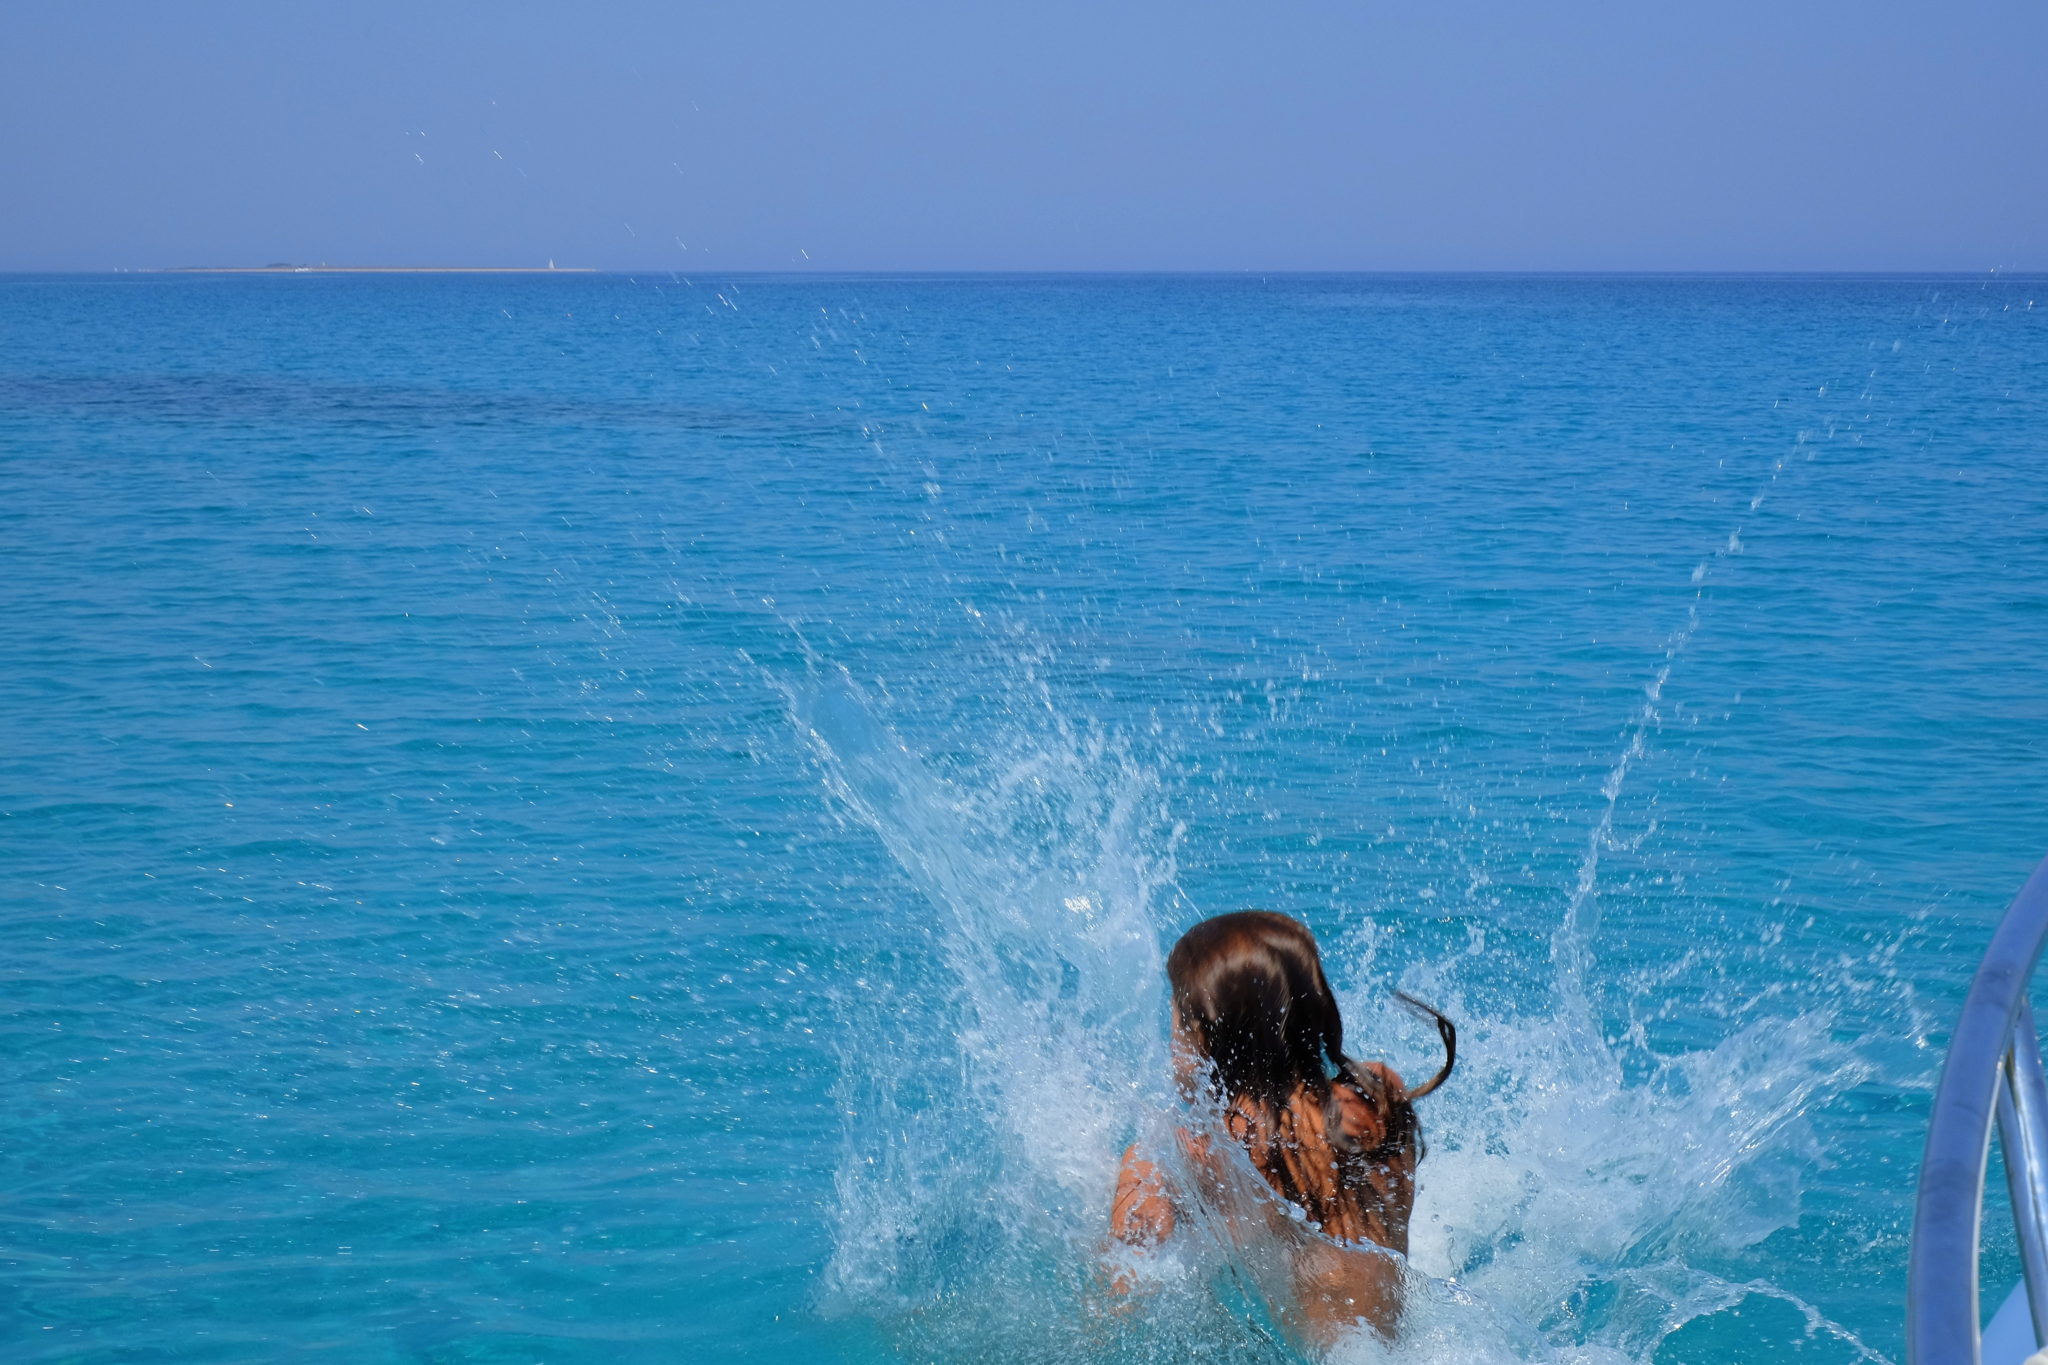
x=1994 y=1065
x=2023 y=1130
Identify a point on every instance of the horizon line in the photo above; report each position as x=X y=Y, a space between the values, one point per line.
x=814 y=272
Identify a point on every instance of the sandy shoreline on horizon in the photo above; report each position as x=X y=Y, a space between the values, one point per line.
x=375 y=270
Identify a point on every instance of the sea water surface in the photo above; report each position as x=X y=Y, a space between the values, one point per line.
x=636 y=818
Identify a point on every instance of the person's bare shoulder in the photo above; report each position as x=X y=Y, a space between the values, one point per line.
x=1362 y=1107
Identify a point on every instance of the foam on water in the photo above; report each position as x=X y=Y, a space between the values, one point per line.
x=1584 y=1197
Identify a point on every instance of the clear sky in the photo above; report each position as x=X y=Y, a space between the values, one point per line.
x=1048 y=135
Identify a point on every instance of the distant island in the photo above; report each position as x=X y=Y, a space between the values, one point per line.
x=286 y=268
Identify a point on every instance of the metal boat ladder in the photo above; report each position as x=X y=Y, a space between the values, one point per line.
x=1993 y=1071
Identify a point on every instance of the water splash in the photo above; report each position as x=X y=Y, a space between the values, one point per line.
x=1572 y=944
x=990 y=1086
x=1573 y=1209
x=1601 y=1200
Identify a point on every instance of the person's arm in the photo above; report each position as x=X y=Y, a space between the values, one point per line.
x=1141 y=1214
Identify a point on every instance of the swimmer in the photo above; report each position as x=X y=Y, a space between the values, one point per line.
x=1256 y=1032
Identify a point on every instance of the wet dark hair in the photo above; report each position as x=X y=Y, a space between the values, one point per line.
x=1250 y=993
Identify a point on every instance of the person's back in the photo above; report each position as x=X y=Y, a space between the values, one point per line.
x=1257 y=1030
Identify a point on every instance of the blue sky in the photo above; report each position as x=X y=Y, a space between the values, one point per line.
x=1042 y=136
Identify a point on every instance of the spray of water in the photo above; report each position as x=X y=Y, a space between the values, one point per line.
x=1592 y=1207
x=1577 y=1206
x=1573 y=1209
x=998 y=1065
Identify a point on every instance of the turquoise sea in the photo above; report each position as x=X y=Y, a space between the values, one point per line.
x=635 y=818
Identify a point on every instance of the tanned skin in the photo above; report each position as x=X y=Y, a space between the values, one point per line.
x=1336 y=1286
x=1256 y=1027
